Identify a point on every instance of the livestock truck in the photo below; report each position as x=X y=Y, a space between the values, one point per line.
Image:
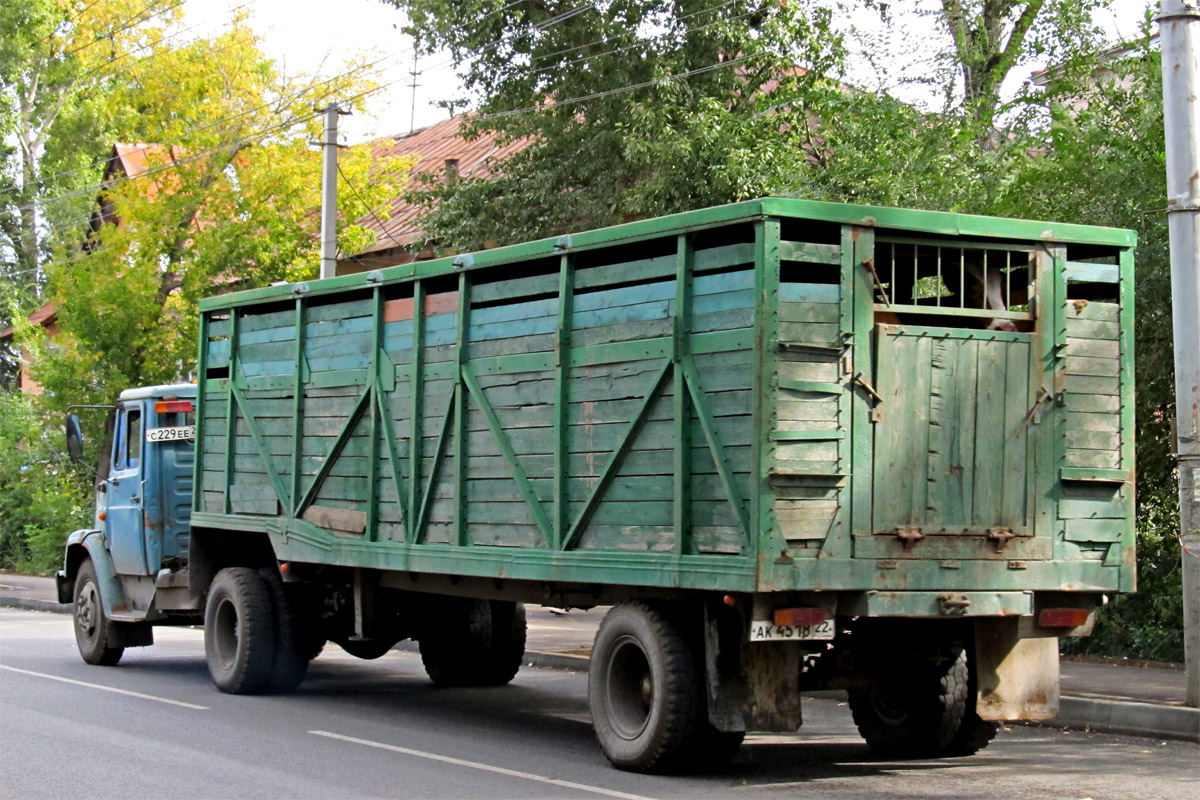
x=796 y=445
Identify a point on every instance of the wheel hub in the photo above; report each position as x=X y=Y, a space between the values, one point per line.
x=85 y=610
x=630 y=694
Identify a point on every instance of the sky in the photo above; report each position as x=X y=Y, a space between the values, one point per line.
x=309 y=36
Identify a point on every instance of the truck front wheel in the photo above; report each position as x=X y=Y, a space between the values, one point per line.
x=922 y=710
x=239 y=631
x=645 y=692
x=92 y=629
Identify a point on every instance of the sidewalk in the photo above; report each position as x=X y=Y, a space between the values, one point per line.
x=1107 y=698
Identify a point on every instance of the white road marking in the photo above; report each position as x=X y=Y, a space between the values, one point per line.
x=512 y=773
x=105 y=688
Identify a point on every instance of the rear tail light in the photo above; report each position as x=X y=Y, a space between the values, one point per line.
x=799 y=616
x=173 y=406
x=1063 y=617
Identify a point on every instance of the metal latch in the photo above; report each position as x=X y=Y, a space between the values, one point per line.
x=1001 y=537
x=909 y=535
x=877 y=407
x=953 y=604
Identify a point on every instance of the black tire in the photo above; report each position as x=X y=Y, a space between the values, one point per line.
x=474 y=642
x=291 y=661
x=93 y=630
x=645 y=690
x=239 y=631
x=366 y=649
x=925 y=710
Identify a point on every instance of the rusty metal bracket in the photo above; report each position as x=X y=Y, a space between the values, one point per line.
x=953 y=604
x=909 y=535
x=1001 y=537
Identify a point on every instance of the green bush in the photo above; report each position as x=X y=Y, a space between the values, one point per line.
x=43 y=496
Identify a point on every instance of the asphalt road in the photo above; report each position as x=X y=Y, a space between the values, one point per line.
x=154 y=727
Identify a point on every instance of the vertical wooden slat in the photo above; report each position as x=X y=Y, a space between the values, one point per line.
x=416 y=390
x=990 y=435
x=201 y=402
x=764 y=534
x=231 y=410
x=681 y=410
x=1016 y=440
x=298 y=405
x=562 y=400
x=1126 y=291
x=460 y=412
x=373 y=420
x=862 y=252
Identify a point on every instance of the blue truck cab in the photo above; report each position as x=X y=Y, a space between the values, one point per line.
x=129 y=569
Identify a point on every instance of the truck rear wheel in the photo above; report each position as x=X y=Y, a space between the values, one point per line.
x=924 y=710
x=645 y=691
x=291 y=659
x=474 y=642
x=92 y=629
x=239 y=631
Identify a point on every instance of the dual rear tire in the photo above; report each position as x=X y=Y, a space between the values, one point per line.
x=647 y=696
x=252 y=637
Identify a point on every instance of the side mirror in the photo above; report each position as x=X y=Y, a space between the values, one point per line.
x=74 y=438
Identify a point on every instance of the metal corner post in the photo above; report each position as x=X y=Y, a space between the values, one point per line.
x=1179 y=26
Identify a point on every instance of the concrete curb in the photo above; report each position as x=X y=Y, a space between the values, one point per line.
x=33 y=604
x=1152 y=720
x=1131 y=719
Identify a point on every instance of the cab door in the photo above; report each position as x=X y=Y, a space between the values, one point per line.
x=124 y=521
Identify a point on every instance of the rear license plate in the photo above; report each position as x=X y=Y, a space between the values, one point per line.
x=764 y=631
x=181 y=433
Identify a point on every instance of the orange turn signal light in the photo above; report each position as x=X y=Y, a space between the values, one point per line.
x=100 y=516
x=1062 y=617
x=173 y=406
x=798 y=616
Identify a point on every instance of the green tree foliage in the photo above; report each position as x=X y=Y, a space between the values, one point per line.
x=58 y=61
x=226 y=202
x=42 y=496
x=632 y=108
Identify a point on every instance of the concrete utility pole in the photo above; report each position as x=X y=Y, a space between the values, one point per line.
x=1179 y=29
x=329 y=148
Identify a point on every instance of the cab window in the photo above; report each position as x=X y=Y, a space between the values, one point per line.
x=127 y=448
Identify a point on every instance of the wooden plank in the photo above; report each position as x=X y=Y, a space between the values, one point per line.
x=1095 y=530
x=1092 y=440
x=1017 y=453
x=810 y=292
x=1093 y=329
x=337 y=519
x=809 y=312
x=1093 y=348
x=1092 y=402
x=1085 y=384
x=1098 y=367
x=1097 y=459
x=1083 y=272
x=991 y=436
x=1079 y=421
x=809 y=332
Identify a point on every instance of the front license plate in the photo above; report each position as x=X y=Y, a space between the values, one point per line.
x=763 y=631
x=181 y=433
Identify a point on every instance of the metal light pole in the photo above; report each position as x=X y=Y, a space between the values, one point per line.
x=329 y=148
x=1179 y=29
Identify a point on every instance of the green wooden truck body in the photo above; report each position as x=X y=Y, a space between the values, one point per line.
x=773 y=396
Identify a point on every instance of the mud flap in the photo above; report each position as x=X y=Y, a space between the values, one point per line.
x=1017 y=678
x=751 y=686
